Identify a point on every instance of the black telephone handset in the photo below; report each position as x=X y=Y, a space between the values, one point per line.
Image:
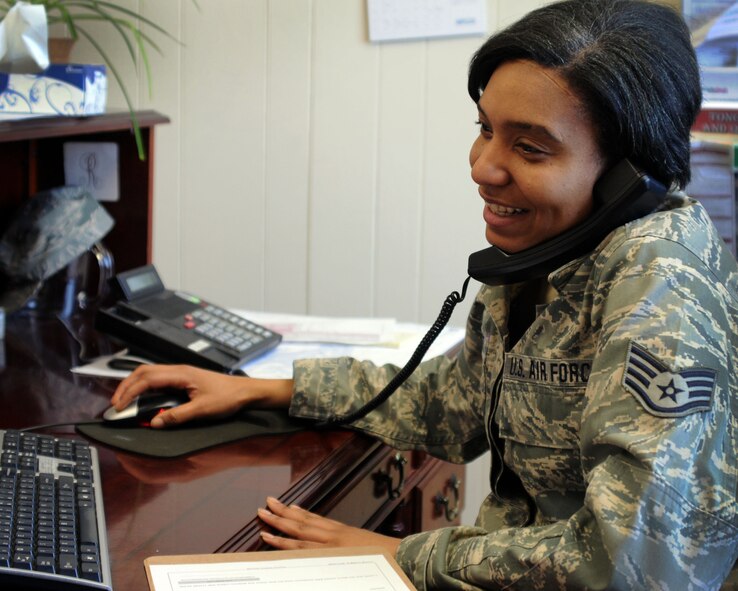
x=622 y=194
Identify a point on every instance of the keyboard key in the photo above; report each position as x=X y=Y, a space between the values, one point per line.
x=91 y=571
x=87 y=526
x=68 y=565
x=45 y=563
x=22 y=560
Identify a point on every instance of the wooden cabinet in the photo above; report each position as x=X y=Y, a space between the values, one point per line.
x=439 y=497
x=431 y=487
x=399 y=493
x=31 y=160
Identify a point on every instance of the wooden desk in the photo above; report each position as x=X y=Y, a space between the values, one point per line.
x=206 y=502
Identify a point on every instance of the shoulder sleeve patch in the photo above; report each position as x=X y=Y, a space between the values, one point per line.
x=663 y=392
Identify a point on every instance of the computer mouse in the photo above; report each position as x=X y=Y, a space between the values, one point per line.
x=145 y=407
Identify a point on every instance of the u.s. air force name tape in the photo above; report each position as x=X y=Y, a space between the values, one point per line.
x=663 y=392
x=552 y=372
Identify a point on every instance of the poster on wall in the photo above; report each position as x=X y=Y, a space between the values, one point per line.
x=396 y=20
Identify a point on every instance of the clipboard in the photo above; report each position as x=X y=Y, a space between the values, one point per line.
x=228 y=571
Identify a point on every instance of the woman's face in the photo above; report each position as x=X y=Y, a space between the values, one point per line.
x=536 y=158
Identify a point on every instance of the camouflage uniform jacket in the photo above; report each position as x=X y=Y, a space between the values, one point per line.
x=615 y=414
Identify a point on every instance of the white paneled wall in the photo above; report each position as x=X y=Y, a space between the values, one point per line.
x=307 y=170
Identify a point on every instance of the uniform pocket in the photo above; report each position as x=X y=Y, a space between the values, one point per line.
x=541 y=401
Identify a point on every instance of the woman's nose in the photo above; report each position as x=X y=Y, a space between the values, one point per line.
x=487 y=165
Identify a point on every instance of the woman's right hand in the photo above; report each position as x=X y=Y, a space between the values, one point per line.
x=212 y=395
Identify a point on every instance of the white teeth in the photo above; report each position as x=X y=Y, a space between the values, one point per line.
x=503 y=210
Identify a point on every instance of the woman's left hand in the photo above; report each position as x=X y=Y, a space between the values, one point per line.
x=308 y=530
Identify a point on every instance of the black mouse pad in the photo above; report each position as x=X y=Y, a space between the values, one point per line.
x=168 y=443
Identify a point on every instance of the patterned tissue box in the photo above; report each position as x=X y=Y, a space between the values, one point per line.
x=61 y=89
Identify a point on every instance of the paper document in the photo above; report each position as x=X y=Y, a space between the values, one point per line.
x=277 y=363
x=302 y=570
x=297 y=328
x=106 y=366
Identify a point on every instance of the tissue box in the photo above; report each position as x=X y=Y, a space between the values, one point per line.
x=61 y=89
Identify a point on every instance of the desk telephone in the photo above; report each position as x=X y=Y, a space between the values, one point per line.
x=168 y=326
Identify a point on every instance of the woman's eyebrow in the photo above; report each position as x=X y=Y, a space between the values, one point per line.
x=526 y=126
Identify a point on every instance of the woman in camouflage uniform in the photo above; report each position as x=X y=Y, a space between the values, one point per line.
x=606 y=393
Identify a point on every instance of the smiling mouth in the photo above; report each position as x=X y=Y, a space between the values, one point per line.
x=503 y=210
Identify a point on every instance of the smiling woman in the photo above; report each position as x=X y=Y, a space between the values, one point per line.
x=606 y=391
x=536 y=159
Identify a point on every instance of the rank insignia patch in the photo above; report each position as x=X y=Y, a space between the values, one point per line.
x=663 y=392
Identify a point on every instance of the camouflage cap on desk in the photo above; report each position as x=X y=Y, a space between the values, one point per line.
x=49 y=231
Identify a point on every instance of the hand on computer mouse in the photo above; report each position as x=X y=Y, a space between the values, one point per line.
x=145 y=407
x=211 y=394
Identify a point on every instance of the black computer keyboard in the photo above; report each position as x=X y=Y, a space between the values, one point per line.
x=52 y=519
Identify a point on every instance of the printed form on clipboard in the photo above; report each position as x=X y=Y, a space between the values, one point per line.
x=332 y=569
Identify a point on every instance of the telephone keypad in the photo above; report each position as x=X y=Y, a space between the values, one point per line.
x=226 y=328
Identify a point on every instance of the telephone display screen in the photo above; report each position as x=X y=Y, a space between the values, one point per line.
x=140 y=283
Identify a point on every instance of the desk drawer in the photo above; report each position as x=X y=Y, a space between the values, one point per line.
x=385 y=481
x=439 y=497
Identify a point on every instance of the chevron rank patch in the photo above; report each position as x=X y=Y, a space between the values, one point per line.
x=663 y=392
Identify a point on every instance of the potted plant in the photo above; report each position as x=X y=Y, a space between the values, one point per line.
x=75 y=15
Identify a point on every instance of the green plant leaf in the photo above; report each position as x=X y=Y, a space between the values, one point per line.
x=65 y=17
x=114 y=71
x=127 y=23
x=118 y=21
x=96 y=4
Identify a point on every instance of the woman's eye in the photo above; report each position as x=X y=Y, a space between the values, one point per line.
x=528 y=149
x=483 y=127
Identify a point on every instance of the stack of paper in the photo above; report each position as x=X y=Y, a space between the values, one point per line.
x=334 y=569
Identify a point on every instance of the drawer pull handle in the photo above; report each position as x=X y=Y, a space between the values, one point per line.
x=394 y=492
x=444 y=502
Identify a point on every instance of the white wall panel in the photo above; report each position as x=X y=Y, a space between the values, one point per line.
x=343 y=161
x=166 y=96
x=400 y=155
x=289 y=52
x=224 y=105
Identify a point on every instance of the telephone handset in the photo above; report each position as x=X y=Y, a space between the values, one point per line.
x=622 y=194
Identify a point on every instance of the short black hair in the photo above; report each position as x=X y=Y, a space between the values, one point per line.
x=631 y=63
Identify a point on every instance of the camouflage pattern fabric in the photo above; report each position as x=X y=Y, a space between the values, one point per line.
x=48 y=232
x=611 y=421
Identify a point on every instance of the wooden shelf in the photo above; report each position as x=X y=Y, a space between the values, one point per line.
x=31 y=160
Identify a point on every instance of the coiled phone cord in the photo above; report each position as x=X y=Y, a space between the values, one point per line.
x=443 y=317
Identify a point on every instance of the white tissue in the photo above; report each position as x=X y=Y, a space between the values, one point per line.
x=24 y=40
